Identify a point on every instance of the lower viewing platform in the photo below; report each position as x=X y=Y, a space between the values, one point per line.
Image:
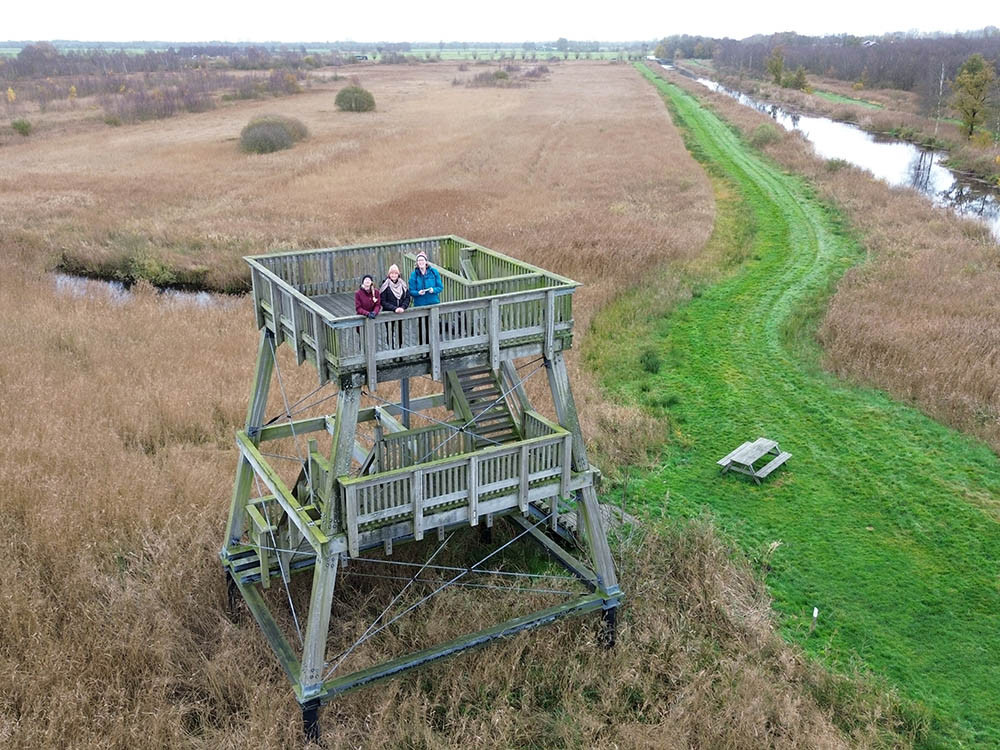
x=414 y=481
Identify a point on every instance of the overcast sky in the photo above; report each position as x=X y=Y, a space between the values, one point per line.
x=468 y=20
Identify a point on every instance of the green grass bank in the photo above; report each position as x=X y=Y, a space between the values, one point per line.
x=884 y=520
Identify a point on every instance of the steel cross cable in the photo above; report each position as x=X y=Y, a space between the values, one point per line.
x=291 y=422
x=281 y=568
x=365 y=635
x=454 y=568
x=314 y=391
x=494 y=587
x=436 y=591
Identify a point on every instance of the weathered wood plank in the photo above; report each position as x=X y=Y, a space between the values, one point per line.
x=417 y=498
x=725 y=460
x=473 y=484
x=772 y=465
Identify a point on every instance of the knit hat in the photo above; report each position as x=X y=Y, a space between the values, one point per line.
x=423 y=254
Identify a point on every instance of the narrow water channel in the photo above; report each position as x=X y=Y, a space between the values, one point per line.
x=78 y=286
x=895 y=162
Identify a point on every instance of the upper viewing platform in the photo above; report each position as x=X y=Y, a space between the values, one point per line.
x=492 y=308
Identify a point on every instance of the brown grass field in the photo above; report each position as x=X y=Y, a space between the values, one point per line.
x=117 y=449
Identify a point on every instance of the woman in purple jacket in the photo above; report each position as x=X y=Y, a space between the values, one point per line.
x=366 y=299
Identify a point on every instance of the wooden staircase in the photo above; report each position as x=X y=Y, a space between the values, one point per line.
x=478 y=398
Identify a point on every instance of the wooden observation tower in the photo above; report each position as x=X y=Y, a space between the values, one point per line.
x=367 y=480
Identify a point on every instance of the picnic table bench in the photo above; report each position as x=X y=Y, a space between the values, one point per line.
x=743 y=458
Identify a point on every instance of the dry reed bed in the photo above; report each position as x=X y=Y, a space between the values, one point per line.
x=919 y=318
x=557 y=173
x=117 y=462
x=117 y=457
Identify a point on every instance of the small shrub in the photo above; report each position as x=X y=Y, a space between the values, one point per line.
x=764 y=135
x=650 y=361
x=264 y=138
x=269 y=133
x=22 y=126
x=835 y=165
x=981 y=139
x=355 y=99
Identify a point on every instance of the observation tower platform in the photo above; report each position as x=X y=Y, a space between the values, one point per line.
x=367 y=479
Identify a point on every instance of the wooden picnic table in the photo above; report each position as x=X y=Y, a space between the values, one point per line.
x=743 y=458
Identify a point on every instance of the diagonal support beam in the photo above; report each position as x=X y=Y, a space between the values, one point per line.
x=236 y=525
x=561 y=556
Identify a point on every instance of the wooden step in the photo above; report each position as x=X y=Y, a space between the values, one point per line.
x=480 y=392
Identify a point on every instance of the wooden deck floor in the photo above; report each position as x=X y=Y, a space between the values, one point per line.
x=340 y=305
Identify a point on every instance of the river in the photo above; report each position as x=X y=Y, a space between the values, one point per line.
x=895 y=162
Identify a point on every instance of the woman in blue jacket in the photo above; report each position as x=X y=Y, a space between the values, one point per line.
x=425 y=283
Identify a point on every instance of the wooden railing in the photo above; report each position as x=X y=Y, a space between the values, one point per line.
x=412 y=447
x=491 y=480
x=339 y=270
x=528 y=308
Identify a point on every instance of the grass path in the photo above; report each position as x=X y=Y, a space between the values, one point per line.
x=887 y=521
x=836 y=98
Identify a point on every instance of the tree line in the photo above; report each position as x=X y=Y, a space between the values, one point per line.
x=910 y=63
x=44 y=60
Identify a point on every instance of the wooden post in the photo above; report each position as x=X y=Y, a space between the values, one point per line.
x=297 y=331
x=550 y=325
x=404 y=400
x=473 y=490
x=522 y=496
x=434 y=337
x=494 y=335
x=370 y=349
x=276 y=311
x=417 y=498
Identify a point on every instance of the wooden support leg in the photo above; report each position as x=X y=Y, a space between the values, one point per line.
x=232 y=597
x=325 y=572
x=609 y=627
x=485 y=534
x=595 y=535
x=310 y=721
x=236 y=524
x=345 y=428
x=320 y=603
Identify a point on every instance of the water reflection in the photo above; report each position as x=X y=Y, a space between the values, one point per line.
x=78 y=286
x=898 y=163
